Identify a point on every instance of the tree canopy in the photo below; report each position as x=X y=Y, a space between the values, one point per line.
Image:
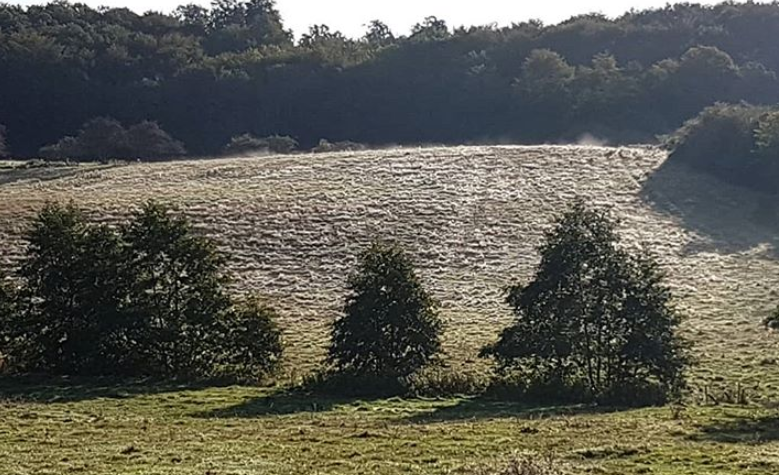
x=596 y=321
x=208 y=74
x=147 y=299
x=390 y=327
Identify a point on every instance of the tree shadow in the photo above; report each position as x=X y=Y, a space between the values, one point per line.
x=284 y=402
x=469 y=409
x=740 y=430
x=728 y=219
x=45 y=173
x=52 y=390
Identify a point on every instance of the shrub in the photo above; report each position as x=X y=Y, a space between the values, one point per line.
x=282 y=144
x=594 y=317
x=437 y=381
x=105 y=138
x=334 y=383
x=736 y=143
x=390 y=328
x=102 y=138
x=247 y=143
x=147 y=140
x=343 y=146
x=251 y=341
x=64 y=149
x=244 y=144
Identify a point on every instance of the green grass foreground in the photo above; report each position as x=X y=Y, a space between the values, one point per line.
x=68 y=427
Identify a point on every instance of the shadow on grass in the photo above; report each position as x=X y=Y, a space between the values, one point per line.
x=729 y=219
x=741 y=430
x=286 y=402
x=34 y=389
x=488 y=408
x=42 y=174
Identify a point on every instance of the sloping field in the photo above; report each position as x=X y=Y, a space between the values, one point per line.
x=472 y=217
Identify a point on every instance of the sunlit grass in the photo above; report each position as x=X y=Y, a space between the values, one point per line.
x=471 y=216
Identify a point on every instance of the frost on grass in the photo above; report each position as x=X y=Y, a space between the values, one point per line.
x=471 y=217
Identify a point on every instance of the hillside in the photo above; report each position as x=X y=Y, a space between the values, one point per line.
x=471 y=216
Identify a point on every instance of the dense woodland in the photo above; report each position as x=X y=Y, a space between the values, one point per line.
x=207 y=75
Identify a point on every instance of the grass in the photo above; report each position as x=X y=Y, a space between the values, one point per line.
x=472 y=217
x=96 y=429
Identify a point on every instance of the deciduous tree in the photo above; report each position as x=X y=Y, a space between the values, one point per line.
x=594 y=317
x=390 y=327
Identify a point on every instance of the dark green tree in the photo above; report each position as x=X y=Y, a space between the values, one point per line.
x=175 y=292
x=195 y=18
x=249 y=340
x=544 y=87
x=147 y=140
x=147 y=300
x=432 y=28
x=239 y=25
x=379 y=34
x=71 y=295
x=723 y=140
x=102 y=138
x=594 y=319
x=390 y=327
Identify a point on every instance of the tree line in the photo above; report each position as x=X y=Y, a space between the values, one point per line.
x=148 y=298
x=206 y=75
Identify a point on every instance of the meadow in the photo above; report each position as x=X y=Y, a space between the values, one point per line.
x=472 y=217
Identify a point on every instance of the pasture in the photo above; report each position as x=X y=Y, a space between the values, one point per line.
x=472 y=217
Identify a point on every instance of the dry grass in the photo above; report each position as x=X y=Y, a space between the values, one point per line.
x=131 y=430
x=472 y=217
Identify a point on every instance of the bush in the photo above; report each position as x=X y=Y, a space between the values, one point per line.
x=523 y=384
x=147 y=299
x=282 y=144
x=334 y=383
x=65 y=149
x=390 y=328
x=594 y=317
x=343 y=146
x=148 y=140
x=251 y=341
x=104 y=138
x=437 y=381
x=245 y=143
x=248 y=143
x=736 y=143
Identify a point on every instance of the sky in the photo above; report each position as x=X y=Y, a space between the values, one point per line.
x=351 y=16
